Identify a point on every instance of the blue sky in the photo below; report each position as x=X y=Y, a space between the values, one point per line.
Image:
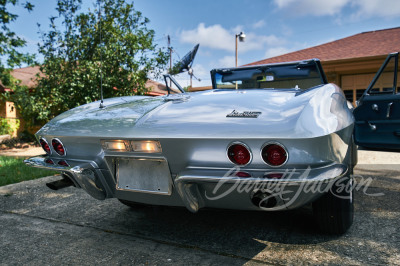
x=272 y=27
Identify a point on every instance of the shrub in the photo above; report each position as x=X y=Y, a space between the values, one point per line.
x=8 y=126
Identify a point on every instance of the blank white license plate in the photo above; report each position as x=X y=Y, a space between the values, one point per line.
x=144 y=175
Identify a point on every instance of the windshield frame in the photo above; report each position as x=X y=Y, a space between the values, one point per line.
x=311 y=62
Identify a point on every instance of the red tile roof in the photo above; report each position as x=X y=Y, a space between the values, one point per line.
x=366 y=44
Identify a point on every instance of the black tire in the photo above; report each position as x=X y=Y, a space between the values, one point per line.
x=132 y=204
x=334 y=211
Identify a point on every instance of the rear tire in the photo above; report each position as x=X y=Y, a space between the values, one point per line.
x=334 y=211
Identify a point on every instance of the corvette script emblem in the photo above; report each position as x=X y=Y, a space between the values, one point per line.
x=245 y=114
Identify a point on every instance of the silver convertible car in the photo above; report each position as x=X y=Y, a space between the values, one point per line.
x=265 y=138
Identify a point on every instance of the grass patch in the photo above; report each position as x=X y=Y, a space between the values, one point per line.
x=13 y=170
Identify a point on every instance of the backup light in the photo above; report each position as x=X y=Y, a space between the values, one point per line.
x=150 y=146
x=116 y=145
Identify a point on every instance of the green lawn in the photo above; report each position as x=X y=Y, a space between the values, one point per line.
x=13 y=170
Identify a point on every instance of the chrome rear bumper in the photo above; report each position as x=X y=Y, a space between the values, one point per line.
x=84 y=174
x=297 y=187
x=197 y=188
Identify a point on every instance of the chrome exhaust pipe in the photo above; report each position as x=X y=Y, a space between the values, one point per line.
x=59 y=184
x=263 y=200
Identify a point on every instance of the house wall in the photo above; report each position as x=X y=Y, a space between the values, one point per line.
x=2 y=108
x=8 y=110
x=353 y=75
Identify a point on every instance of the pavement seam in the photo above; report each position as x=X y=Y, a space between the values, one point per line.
x=185 y=246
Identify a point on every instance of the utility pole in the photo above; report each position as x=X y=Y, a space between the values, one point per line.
x=170 y=53
x=170 y=58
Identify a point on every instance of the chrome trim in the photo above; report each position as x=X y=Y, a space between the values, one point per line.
x=40 y=162
x=372 y=126
x=47 y=145
x=275 y=143
x=187 y=183
x=389 y=109
x=65 y=149
x=85 y=175
x=243 y=144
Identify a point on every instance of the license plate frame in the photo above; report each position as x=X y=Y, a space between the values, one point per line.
x=149 y=175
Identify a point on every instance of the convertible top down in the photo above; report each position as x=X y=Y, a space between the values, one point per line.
x=268 y=137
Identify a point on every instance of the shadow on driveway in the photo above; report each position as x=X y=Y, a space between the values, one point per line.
x=68 y=226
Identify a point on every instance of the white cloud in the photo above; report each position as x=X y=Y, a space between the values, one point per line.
x=214 y=36
x=357 y=8
x=377 y=8
x=259 y=42
x=200 y=71
x=259 y=24
x=227 y=61
x=312 y=7
x=237 y=29
x=217 y=37
x=276 y=51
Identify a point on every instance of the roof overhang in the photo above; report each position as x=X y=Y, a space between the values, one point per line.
x=369 y=64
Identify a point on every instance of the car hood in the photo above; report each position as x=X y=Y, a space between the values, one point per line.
x=273 y=113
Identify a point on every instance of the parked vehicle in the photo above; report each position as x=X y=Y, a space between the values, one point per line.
x=378 y=112
x=267 y=137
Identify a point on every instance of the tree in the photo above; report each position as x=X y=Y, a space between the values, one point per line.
x=113 y=47
x=10 y=43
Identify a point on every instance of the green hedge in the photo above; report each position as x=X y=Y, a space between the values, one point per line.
x=8 y=126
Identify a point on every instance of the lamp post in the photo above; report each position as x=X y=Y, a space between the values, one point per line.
x=241 y=36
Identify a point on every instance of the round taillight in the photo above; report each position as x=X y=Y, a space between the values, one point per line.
x=45 y=146
x=239 y=154
x=274 y=154
x=58 y=146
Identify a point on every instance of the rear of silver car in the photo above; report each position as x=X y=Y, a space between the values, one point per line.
x=198 y=173
x=243 y=145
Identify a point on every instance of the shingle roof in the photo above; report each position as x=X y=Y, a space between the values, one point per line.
x=366 y=44
x=27 y=75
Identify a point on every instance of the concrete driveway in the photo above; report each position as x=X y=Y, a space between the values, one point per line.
x=40 y=226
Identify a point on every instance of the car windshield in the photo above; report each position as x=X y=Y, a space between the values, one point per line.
x=298 y=75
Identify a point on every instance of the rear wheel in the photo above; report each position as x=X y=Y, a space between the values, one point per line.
x=334 y=211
